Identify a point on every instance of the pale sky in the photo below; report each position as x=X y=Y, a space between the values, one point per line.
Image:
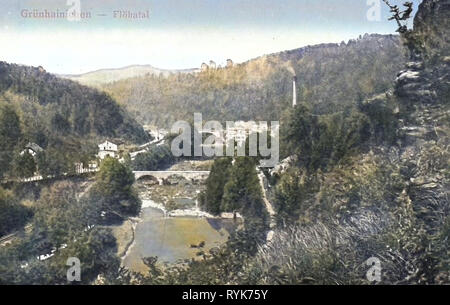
x=178 y=34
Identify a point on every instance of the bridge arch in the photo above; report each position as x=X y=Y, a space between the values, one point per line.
x=163 y=175
x=149 y=179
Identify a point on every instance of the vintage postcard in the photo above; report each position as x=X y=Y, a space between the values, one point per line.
x=224 y=142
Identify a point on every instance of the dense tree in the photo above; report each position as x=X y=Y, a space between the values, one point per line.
x=323 y=141
x=60 y=124
x=65 y=226
x=10 y=130
x=24 y=165
x=242 y=192
x=290 y=196
x=54 y=215
x=12 y=213
x=156 y=158
x=383 y=118
x=53 y=162
x=300 y=134
x=211 y=199
x=114 y=188
x=96 y=249
x=59 y=107
x=10 y=135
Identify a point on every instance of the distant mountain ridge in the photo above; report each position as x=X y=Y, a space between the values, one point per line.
x=104 y=76
x=330 y=77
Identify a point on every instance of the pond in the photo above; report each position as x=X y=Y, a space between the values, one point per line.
x=171 y=238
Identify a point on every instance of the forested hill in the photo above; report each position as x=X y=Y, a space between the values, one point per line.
x=330 y=77
x=104 y=76
x=54 y=110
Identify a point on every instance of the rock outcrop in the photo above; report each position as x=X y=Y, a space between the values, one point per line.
x=422 y=88
x=432 y=28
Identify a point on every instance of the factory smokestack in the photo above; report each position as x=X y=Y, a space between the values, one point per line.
x=294 y=91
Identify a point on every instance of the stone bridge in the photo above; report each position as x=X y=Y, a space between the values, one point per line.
x=163 y=175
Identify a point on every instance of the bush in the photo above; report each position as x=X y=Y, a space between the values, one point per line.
x=158 y=157
x=12 y=214
x=211 y=199
x=114 y=188
x=24 y=165
x=320 y=142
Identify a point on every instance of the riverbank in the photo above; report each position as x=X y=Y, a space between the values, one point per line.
x=169 y=234
x=193 y=212
x=174 y=239
x=124 y=234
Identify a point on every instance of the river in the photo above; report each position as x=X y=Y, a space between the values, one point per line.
x=170 y=238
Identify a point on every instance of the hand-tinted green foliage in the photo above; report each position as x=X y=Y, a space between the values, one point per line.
x=53 y=162
x=58 y=214
x=233 y=186
x=10 y=130
x=383 y=118
x=291 y=195
x=96 y=249
x=330 y=77
x=62 y=107
x=300 y=135
x=66 y=226
x=10 y=135
x=12 y=214
x=211 y=199
x=24 y=165
x=242 y=192
x=158 y=157
x=66 y=119
x=114 y=188
x=323 y=141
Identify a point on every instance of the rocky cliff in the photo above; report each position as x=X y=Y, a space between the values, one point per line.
x=391 y=202
x=432 y=26
x=422 y=94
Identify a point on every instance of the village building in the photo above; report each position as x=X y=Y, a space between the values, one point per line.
x=31 y=148
x=79 y=168
x=238 y=132
x=107 y=149
x=92 y=166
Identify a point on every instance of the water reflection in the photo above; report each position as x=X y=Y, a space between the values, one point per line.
x=171 y=238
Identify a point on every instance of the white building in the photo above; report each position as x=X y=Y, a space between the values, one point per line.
x=241 y=130
x=107 y=149
x=31 y=148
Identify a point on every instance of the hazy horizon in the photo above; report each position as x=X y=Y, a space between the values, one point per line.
x=170 y=38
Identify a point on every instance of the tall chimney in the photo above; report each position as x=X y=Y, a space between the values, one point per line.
x=294 y=93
